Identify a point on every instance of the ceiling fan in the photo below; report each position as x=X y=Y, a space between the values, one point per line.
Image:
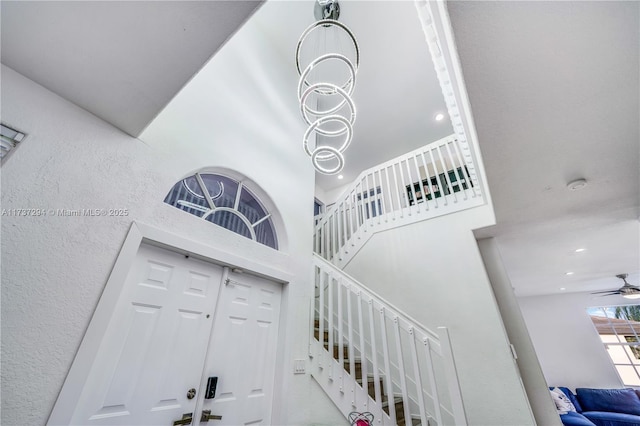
x=627 y=290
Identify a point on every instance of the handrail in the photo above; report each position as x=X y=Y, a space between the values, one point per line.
x=323 y=263
x=366 y=346
x=429 y=181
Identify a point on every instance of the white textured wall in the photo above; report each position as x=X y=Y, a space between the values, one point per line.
x=433 y=270
x=241 y=111
x=54 y=268
x=567 y=344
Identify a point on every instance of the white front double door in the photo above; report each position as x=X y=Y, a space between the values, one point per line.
x=175 y=325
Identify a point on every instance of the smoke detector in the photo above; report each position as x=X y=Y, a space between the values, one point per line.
x=577 y=184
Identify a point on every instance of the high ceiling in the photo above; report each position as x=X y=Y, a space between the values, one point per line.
x=397 y=94
x=553 y=87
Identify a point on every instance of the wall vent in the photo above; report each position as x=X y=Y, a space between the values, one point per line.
x=9 y=139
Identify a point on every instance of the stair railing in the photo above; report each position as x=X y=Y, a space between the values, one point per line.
x=369 y=356
x=433 y=180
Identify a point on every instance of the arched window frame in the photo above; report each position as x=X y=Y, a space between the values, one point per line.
x=213 y=208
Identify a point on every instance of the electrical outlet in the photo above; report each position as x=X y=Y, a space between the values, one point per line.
x=299 y=366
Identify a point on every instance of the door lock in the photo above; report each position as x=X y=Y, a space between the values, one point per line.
x=210 y=392
x=187 y=418
x=191 y=393
x=206 y=416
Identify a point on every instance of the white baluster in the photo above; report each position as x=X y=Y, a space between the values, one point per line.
x=397 y=190
x=457 y=172
x=331 y=326
x=339 y=230
x=403 y=374
x=340 y=334
x=350 y=348
x=424 y=196
x=432 y=381
x=446 y=174
x=321 y=315
x=354 y=216
x=417 y=377
x=347 y=226
x=359 y=201
x=374 y=356
x=440 y=187
x=366 y=199
x=403 y=188
x=378 y=196
x=312 y=314
x=429 y=184
x=336 y=236
x=464 y=168
x=363 y=352
x=389 y=193
x=455 y=194
x=388 y=383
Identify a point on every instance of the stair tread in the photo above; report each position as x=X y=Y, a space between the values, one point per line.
x=397 y=400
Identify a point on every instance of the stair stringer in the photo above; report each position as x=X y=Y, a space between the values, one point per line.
x=407 y=216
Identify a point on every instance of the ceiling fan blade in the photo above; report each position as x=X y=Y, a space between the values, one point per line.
x=609 y=292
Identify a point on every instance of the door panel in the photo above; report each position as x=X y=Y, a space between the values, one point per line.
x=242 y=352
x=154 y=348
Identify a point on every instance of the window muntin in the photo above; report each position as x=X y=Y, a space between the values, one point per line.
x=225 y=202
x=619 y=330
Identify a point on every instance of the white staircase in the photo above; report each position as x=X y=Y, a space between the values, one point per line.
x=365 y=353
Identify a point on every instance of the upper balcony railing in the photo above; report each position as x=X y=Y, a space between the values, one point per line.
x=433 y=180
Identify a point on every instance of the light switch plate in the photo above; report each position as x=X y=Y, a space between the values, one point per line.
x=299 y=366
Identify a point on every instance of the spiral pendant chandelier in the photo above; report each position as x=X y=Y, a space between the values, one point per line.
x=325 y=88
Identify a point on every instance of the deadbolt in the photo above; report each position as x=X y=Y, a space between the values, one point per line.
x=191 y=393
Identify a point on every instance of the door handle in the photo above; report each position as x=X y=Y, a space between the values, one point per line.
x=206 y=416
x=187 y=418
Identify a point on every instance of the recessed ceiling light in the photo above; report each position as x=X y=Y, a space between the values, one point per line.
x=562 y=288
x=569 y=273
x=577 y=184
x=340 y=177
x=439 y=116
x=580 y=250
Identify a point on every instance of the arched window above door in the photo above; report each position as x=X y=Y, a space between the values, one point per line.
x=225 y=202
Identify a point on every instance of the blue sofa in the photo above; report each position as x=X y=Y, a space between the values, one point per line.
x=602 y=407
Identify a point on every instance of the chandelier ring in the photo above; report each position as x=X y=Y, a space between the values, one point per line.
x=327 y=150
x=348 y=86
x=326 y=23
x=321 y=121
x=338 y=90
